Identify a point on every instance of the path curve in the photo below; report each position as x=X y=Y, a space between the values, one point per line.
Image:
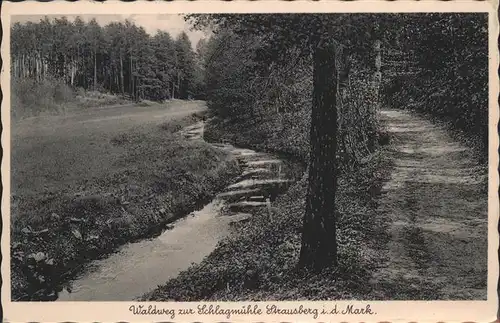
x=436 y=204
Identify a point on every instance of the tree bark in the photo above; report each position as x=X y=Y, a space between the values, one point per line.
x=72 y=70
x=131 y=80
x=122 y=85
x=95 y=69
x=319 y=245
x=179 y=85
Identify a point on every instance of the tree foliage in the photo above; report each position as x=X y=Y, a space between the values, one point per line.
x=119 y=57
x=253 y=69
x=442 y=71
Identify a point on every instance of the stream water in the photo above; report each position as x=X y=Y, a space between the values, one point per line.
x=138 y=268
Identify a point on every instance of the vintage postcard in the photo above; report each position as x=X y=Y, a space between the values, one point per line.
x=241 y=161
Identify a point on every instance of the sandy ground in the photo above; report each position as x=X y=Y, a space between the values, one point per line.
x=436 y=205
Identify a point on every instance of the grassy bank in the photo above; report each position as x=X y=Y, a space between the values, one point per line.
x=78 y=194
x=258 y=262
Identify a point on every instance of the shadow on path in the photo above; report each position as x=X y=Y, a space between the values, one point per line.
x=437 y=205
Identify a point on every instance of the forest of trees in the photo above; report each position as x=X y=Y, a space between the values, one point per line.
x=119 y=58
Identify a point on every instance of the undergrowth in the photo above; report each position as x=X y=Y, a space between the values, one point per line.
x=31 y=98
x=258 y=262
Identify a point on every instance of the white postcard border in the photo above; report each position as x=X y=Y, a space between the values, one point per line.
x=392 y=311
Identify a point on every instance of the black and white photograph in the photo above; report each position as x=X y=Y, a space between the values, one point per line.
x=249 y=157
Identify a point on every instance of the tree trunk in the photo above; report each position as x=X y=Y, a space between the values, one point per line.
x=140 y=90
x=131 y=80
x=122 y=86
x=136 y=80
x=179 y=85
x=72 y=71
x=65 y=70
x=116 y=81
x=111 y=80
x=378 y=74
x=319 y=245
x=95 y=70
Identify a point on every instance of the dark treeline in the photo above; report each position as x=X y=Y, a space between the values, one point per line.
x=119 y=58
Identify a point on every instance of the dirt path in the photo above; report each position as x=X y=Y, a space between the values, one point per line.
x=436 y=205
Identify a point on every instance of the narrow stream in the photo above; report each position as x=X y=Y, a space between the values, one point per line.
x=138 y=268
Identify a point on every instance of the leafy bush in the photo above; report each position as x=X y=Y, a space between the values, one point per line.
x=268 y=105
x=92 y=99
x=30 y=97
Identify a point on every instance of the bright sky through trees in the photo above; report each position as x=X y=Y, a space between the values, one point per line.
x=172 y=23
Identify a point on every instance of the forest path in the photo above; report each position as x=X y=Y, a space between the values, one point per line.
x=437 y=210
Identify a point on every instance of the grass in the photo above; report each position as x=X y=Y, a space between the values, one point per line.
x=87 y=182
x=32 y=98
x=92 y=99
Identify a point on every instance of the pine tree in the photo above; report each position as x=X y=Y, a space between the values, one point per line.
x=185 y=65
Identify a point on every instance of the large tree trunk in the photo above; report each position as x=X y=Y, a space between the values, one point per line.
x=319 y=245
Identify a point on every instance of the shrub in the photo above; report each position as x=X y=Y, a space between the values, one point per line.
x=32 y=97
